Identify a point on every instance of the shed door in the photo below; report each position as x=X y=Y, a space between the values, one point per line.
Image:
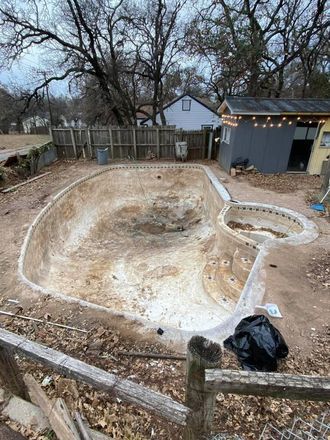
x=302 y=146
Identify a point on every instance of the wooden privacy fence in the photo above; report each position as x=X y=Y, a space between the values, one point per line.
x=203 y=382
x=130 y=142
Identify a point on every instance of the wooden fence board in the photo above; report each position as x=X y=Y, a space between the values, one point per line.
x=150 y=400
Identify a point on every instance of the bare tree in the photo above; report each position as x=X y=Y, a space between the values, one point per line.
x=84 y=37
x=157 y=37
x=249 y=44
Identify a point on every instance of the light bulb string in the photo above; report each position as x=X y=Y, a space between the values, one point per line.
x=233 y=121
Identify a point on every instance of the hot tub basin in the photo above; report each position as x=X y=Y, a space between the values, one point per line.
x=156 y=243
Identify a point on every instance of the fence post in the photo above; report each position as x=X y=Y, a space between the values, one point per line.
x=209 y=151
x=201 y=354
x=82 y=144
x=134 y=144
x=73 y=140
x=88 y=140
x=111 y=143
x=158 y=142
x=51 y=135
x=11 y=375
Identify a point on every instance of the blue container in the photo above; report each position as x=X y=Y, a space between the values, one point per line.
x=102 y=155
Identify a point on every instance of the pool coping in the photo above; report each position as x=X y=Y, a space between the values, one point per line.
x=254 y=288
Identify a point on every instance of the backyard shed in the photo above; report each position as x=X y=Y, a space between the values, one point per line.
x=275 y=135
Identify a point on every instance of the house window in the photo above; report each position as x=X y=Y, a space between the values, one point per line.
x=226 y=134
x=207 y=127
x=186 y=104
x=325 y=141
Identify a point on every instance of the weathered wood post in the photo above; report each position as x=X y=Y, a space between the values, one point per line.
x=134 y=143
x=89 y=144
x=201 y=354
x=73 y=140
x=209 y=150
x=158 y=143
x=111 y=144
x=10 y=374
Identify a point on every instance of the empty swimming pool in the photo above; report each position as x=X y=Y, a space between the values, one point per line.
x=163 y=244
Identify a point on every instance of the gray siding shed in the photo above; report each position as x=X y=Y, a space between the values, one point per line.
x=268 y=149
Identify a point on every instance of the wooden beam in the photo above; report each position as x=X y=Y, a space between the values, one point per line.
x=111 y=144
x=57 y=413
x=157 y=403
x=134 y=143
x=89 y=142
x=26 y=182
x=82 y=428
x=11 y=375
x=158 y=142
x=284 y=386
x=201 y=354
x=73 y=140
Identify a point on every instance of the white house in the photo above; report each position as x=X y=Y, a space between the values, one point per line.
x=33 y=123
x=189 y=113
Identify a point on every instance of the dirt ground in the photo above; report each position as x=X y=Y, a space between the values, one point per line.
x=298 y=281
x=16 y=141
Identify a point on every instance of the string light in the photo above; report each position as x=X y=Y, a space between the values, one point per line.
x=233 y=121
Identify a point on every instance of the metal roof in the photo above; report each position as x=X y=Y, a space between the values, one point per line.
x=274 y=106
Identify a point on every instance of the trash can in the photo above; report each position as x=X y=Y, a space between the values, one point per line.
x=102 y=155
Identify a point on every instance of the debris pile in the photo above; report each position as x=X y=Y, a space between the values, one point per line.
x=105 y=347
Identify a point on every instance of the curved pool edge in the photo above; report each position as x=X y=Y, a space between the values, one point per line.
x=254 y=288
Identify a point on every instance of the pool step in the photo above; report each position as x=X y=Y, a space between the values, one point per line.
x=230 y=285
x=220 y=282
x=242 y=265
x=211 y=284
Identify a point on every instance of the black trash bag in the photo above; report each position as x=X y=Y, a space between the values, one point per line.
x=257 y=344
x=240 y=162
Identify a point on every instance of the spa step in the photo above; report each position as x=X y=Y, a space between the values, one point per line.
x=211 y=283
x=229 y=284
x=242 y=265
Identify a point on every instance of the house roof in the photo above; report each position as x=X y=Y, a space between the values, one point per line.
x=274 y=106
x=203 y=101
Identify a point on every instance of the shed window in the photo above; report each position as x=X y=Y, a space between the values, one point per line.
x=325 y=141
x=186 y=104
x=226 y=134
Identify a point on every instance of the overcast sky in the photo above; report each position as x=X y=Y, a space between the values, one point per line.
x=23 y=74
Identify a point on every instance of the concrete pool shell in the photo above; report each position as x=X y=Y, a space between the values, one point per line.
x=153 y=243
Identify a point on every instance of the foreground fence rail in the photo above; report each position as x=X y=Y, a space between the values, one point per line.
x=203 y=382
x=137 y=142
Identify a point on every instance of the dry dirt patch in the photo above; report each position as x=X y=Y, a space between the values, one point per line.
x=282 y=183
x=16 y=141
